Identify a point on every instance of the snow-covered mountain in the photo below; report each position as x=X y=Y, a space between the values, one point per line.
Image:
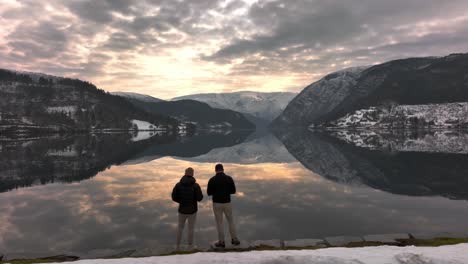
x=412 y=81
x=319 y=98
x=137 y=96
x=196 y=113
x=265 y=106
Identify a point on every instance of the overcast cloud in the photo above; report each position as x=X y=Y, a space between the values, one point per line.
x=168 y=48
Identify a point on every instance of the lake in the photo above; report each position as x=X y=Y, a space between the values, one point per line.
x=94 y=195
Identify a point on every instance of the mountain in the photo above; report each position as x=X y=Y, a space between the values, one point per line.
x=412 y=81
x=137 y=96
x=190 y=111
x=39 y=102
x=266 y=106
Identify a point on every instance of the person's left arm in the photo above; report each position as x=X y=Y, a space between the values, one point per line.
x=233 y=186
x=175 y=195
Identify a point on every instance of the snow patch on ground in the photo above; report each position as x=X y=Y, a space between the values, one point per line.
x=455 y=254
x=448 y=115
x=69 y=110
x=143 y=125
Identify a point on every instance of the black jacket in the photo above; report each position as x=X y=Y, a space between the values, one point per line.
x=187 y=193
x=221 y=186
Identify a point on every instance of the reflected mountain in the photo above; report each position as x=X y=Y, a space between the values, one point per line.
x=423 y=173
x=80 y=157
x=259 y=147
x=189 y=147
x=439 y=141
x=65 y=159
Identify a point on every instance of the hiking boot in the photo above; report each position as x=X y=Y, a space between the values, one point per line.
x=220 y=244
x=235 y=241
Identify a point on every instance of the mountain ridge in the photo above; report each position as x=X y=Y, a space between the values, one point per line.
x=410 y=81
x=262 y=105
x=39 y=102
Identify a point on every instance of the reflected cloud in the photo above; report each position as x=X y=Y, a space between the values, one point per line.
x=127 y=207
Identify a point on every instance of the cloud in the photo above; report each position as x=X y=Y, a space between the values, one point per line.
x=182 y=47
x=292 y=31
x=42 y=40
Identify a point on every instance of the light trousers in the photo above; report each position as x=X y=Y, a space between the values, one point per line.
x=191 y=218
x=219 y=210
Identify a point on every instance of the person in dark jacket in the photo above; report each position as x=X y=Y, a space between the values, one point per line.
x=187 y=193
x=220 y=187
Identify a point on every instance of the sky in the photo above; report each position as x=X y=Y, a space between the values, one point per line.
x=169 y=48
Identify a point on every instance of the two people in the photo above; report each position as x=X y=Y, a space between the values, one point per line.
x=187 y=193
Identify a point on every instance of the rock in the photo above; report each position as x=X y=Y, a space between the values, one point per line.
x=301 y=243
x=386 y=238
x=342 y=240
x=273 y=243
x=60 y=258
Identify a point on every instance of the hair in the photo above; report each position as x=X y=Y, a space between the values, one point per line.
x=189 y=171
x=219 y=167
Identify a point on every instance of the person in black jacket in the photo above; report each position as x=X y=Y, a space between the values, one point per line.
x=187 y=193
x=221 y=186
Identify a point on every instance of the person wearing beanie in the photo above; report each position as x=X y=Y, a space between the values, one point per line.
x=220 y=187
x=187 y=193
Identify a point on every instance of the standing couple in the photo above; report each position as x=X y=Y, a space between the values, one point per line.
x=187 y=193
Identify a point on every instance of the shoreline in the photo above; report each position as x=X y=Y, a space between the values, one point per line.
x=369 y=241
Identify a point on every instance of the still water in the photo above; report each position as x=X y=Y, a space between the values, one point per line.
x=93 y=195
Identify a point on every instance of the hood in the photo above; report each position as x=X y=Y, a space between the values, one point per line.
x=187 y=180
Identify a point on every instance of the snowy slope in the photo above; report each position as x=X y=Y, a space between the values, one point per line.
x=449 y=115
x=455 y=254
x=319 y=98
x=411 y=81
x=137 y=96
x=266 y=106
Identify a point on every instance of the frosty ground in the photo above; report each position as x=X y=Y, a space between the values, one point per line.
x=453 y=254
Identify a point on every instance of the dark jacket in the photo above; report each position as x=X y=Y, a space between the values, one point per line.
x=221 y=186
x=187 y=193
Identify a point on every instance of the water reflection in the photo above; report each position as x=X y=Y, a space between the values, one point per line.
x=75 y=158
x=423 y=173
x=333 y=188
